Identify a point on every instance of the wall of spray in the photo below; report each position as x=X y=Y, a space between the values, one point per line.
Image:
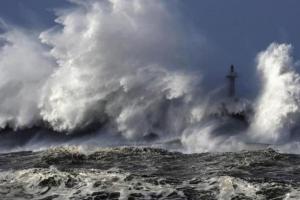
x=124 y=67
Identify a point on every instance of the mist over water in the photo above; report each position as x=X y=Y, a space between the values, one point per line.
x=120 y=69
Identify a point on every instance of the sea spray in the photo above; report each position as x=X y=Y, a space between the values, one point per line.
x=113 y=65
x=277 y=108
x=122 y=68
x=25 y=66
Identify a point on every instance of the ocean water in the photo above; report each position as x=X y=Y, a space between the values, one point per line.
x=124 y=100
x=148 y=173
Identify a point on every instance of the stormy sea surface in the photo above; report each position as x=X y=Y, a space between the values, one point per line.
x=148 y=173
x=129 y=100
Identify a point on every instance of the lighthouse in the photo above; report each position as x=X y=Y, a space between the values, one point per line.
x=231 y=78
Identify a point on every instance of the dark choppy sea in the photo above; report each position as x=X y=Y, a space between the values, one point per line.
x=147 y=173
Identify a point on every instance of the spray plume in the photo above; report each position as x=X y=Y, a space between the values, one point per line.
x=122 y=66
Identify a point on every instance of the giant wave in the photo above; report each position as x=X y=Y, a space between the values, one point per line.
x=121 y=70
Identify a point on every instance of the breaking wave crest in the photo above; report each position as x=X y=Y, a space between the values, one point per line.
x=124 y=68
